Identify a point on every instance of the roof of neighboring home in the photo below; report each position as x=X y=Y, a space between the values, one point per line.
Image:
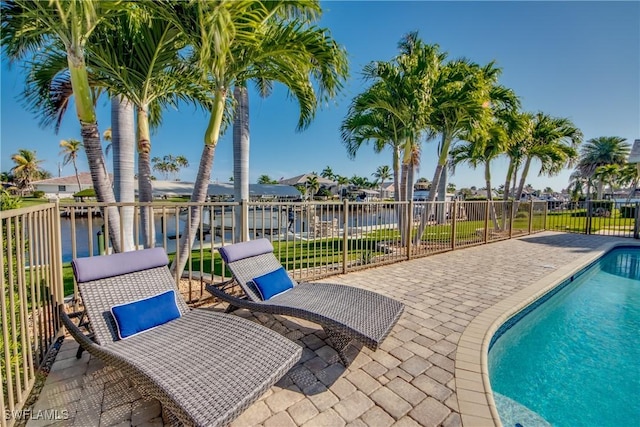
x=223 y=189
x=301 y=179
x=85 y=179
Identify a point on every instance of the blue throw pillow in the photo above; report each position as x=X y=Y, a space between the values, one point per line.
x=138 y=316
x=273 y=283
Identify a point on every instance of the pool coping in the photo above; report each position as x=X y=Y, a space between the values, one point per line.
x=473 y=386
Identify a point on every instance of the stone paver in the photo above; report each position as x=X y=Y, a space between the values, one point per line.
x=409 y=381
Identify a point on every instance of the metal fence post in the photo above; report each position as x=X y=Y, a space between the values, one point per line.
x=636 y=221
x=544 y=221
x=486 y=222
x=244 y=220
x=588 y=221
x=345 y=235
x=454 y=223
x=530 y=217
x=409 y=227
x=512 y=217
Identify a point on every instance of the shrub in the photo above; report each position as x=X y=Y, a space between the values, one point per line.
x=87 y=192
x=38 y=194
x=522 y=214
x=7 y=201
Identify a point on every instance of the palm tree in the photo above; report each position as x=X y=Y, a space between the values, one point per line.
x=180 y=162
x=141 y=67
x=342 y=181
x=481 y=149
x=393 y=111
x=312 y=185
x=31 y=25
x=608 y=174
x=289 y=30
x=266 y=179
x=516 y=150
x=328 y=173
x=381 y=175
x=70 y=149
x=553 y=141
x=249 y=41
x=601 y=151
x=27 y=168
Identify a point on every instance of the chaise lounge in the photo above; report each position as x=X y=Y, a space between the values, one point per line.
x=205 y=368
x=345 y=313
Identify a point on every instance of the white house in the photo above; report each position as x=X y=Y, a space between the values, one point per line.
x=64 y=186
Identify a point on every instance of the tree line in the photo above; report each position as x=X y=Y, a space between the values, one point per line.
x=148 y=56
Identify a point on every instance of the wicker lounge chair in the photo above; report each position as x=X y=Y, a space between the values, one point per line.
x=345 y=313
x=205 y=368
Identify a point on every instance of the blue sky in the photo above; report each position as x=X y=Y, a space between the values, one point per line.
x=579 y=60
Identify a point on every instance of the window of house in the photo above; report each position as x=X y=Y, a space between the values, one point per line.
x=62 y=188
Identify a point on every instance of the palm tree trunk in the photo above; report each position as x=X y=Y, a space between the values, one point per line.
x=201 y=185
x=523 y=178
x=75 y=167
x=241 y=157
x=91 y=141
x=507 y=190
x=600 y=189
x=145 y=189
x=396 y=173
x=487 y=179
x=402 y=219
x=100 y=180
x=123 y=145
x=428 y=209
x=442 y=196
x=199 y=195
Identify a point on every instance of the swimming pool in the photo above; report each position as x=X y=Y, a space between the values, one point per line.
x=573 y=357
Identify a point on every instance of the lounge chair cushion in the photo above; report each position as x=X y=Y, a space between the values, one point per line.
x=143 y=314
x=274 y=283
x=100 y=267
x=243 y=250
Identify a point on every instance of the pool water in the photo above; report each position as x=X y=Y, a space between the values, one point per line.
x=574 y=360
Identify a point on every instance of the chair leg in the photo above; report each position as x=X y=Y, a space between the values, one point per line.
x=340 y=342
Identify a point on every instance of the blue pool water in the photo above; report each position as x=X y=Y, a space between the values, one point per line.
x=574 y=359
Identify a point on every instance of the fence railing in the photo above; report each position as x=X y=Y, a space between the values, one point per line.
x=31 y=292
x=604 y=217
x=312 y=240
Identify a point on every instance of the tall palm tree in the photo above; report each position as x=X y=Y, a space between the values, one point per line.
x=382 y=174
x=481 y=150
x=464 y=98
x=518 y=135
x=27 y=168
x=601 y=151
x=70 y=149
x=138 y=59
x=552 y=141
x=224 y=52
x=326 y=64
x=30 y=25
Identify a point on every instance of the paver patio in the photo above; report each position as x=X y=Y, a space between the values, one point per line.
x=410 y=381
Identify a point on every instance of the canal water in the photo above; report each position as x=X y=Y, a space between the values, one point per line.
x=357 y=218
